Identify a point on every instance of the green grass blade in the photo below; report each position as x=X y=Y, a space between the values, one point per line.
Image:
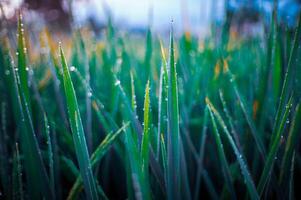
x=243 y=166
x=78 y=133
x=222 y=157
x=288 y=78
x=50 y=155
x=164 y=156
x=230 y=120
x=96 y=157
x=133 y=99
x=34 y=166
x=138 y=130
x=242 y=103
x=146 y=142
x=22 y=61
x=292 y=140
x=135 y=163
x=268 y=167
x=173 y=141
x=162 y=103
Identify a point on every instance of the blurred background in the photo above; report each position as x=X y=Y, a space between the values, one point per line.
x=195 y=16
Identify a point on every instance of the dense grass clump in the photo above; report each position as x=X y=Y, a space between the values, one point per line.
x=118 y=118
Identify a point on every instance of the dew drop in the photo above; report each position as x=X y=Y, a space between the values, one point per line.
x=7 y=72
x=117 y=82
x=72 y=68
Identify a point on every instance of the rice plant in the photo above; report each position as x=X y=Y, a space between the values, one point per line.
x=121 y=117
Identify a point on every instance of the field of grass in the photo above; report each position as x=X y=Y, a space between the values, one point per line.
x=124 y=118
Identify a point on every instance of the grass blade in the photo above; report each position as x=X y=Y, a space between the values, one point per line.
x=39 y=184
x=96 y=157
x=292 y=140
x=288 y=78
x=222 y=157
x=146 y=142
x=246 y=113
x=162 y=103
x=138 y=129
x=173 y=141
x=268 y=167
x=50 y=155
x=243 y=166
x=22 y=61
x=78 y=132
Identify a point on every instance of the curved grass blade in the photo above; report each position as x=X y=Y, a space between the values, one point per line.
x=135 y=163
x=292 y=140
x=243 y=166
x=173 y=136
x=138 y=129
x=78 y=132
x=34 y=166
x=288 y=78
x=246 y=113
x=88 y=114
x=50 y=155
x=268 y=167
x=230 y=120
x=222 y=157
x=95 y=158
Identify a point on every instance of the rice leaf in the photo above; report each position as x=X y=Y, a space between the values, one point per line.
x=156 y=169
x=272 y=155
x=78 y=132
x=222 y=157
x=243 y=166
x=162 y=103
x=173 y=133
x=96 y=157
x=288 y=78
x=146 y=143
x=34 y=166
x=242 y=103
x=292 y=141
x=50 y=155
x=22 y=60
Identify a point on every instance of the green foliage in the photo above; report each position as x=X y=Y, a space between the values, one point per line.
x=217 y=118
